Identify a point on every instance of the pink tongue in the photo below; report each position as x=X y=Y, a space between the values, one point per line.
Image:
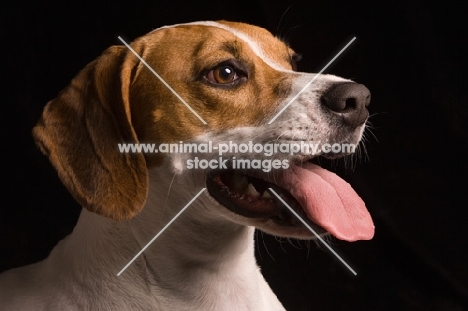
x=329 y=201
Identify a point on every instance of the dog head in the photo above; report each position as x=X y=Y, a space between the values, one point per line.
x=237 y=78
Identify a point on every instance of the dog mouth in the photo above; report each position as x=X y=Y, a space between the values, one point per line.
x=249 y=196
x=321 y=198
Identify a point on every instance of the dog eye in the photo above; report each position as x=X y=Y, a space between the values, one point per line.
x=224 y=74
x=294 y=59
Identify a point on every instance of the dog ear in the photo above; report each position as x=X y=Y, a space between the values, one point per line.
x=80 y=131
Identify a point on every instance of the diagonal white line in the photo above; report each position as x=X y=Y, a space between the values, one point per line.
x=313 y=231
x=162 y=80
x=160 y=232
x=311 y=81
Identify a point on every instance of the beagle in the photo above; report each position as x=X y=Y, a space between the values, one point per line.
x=236 y=77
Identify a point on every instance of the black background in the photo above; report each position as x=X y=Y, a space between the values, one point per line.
x=410 y=54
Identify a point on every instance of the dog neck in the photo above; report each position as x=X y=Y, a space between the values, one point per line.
x=200 y=258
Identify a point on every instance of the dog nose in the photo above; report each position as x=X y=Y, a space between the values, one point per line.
x=349 y=101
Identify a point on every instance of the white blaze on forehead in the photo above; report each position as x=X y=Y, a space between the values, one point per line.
x=257 y=49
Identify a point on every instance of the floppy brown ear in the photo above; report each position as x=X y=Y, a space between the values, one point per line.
x=80 y=131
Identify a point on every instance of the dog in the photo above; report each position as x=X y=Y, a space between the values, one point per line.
x=236 y=77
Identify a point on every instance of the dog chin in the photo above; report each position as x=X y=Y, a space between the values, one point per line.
x=297 y=231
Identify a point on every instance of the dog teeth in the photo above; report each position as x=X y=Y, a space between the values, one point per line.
x=266 y=194
x=239 y=180
x=252 y=191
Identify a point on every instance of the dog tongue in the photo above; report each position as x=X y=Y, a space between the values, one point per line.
x=328 y=201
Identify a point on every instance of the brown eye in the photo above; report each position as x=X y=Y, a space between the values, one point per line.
x=294 y=59
x=222 y=75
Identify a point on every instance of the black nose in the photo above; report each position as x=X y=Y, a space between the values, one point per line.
x=349 y=101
